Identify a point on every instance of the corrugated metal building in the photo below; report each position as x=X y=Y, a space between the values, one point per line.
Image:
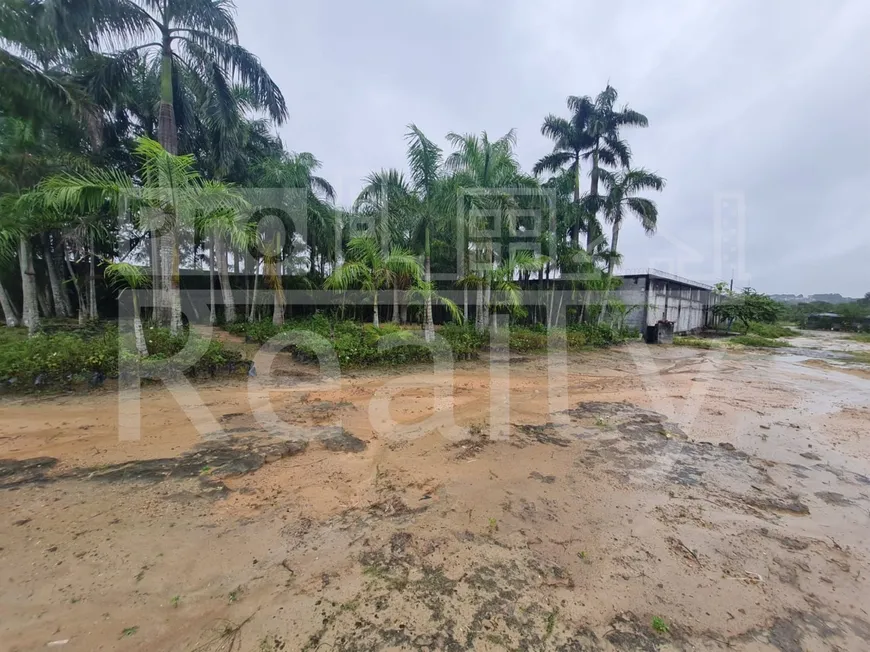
x=653 y=295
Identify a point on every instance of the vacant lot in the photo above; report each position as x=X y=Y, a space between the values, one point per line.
x=635 y=499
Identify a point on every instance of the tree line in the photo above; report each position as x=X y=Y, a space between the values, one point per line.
x=152 y=110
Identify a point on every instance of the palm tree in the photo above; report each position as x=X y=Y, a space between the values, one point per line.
x=590 y=134
x=129 y=276
x=194 y=43
x=371 y=269
x=621 y=200
x=226 y=226
x=171 y=193
x=424 y=160
x=500 y=189
x=384 y=204
x=32 y=44
x=603 y=124
x=571 y=139
x=27 y=154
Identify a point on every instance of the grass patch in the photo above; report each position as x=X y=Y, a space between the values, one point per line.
x=757 y=341
x=696 y=342
x=771 y=331
x=860 y=356
x=659 y=625
x=861 y=337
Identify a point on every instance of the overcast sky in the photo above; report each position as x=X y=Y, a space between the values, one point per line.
x=759 y=109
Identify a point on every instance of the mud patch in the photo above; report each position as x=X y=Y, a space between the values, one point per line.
x=340 y=440
x=18 y=472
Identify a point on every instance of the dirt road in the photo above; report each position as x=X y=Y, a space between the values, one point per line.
x=641 y=498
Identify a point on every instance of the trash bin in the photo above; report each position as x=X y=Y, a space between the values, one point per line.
x=661 y=333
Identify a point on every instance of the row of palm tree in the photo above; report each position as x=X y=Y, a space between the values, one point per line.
x=150 y=110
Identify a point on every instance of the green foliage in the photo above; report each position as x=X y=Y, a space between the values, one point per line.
x=69 y=358
x=464 y=340
x=757 y=340
x=526 y=340
x=861 y=337
x=771 y=330
x=356 y=345
x=747 y=307
x=659 y=625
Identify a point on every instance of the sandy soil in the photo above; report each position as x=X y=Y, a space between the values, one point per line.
x=724 y=494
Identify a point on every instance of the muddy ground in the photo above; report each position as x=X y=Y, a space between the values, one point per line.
x=651 y=498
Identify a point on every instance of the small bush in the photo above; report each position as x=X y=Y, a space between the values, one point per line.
x=758 y=341
x=771 y=331
x=464 y=340
x=524 y=340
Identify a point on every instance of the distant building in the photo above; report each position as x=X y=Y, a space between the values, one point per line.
x=653 y=296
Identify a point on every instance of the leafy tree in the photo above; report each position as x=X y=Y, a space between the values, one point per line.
x=171 y=193
x=370 y=269
x=747 y=307
x=424 y=160
x=621 y=199
x=127 y=276
x=603 y=123
x=571 y=138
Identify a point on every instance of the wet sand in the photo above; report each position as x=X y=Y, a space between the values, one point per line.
x=725 y=493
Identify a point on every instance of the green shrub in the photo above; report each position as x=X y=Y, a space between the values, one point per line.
x=464 y=340
x=70 y=358
x=756 y=340
x=356 y=344
x=525 y=340
x=771 y=331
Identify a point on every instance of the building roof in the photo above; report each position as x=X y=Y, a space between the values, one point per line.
x=665 y=276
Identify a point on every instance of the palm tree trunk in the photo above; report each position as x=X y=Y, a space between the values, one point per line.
x=171 y=299
x=465 y=305
x=253 y=308
x=167 y=134
x=277 y=284
x=138 y=331
x=610 y=265
x=92 y=279
x=376 y=322
x=53 y=281
x=575 y=236
x=30 y=308
x=212 y=314
x=613 y=240
x=156 y=277
x=479 y=323
x=9 y=313
x=83 y=306
x=487 y=300
x=429 y=327
x=43 y=300
x=226 y=290
x=593 y=192
x=396 y=315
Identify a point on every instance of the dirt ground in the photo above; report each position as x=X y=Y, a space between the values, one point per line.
x=639 y=498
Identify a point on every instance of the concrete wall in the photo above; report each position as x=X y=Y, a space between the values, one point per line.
x=654 y=299
x=684 y=305
x=633 y=295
